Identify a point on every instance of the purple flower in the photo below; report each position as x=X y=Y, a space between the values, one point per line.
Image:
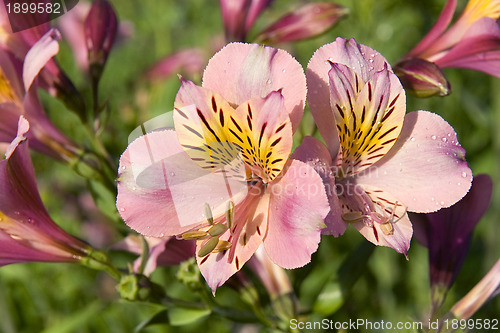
x=27 y=233
x=472 y=42
x=239 y=16
x=447 y=233
x=380 y=162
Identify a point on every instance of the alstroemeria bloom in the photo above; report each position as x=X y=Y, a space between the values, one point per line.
x=224 y=176
x=472 y=42
x=380 y=163
x=447 y=233
x=14 y=101
x=27 y=233
x=52 y=77
x=239 y=16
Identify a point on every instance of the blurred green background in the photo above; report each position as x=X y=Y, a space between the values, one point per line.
x=69 y=298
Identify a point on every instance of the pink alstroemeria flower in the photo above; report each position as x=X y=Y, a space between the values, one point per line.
x=27 y=233
x=52 y=77
x=15 y=101
x=472 y=42
x=224 y=177
x=380 y=163
x=239 y=16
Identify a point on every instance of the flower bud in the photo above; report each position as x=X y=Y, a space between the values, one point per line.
x=422 y=78
x=308 y=21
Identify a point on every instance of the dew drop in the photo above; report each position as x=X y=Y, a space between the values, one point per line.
x=122 y=209
x=449 y=134
x=464 y=174
x=433 y=137
x=412 y=139
x=172 y=174
x=459 y=183
x=441 y=203
x=284 y=70
x=444 y=139
x=432 y=198
x=371 y=60
x=30 y=220
x=162 y=235
x=268 y=81
x=17 y=212
x=124 y=167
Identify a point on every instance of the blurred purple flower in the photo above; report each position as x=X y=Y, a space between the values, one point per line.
x=27 y=233
x=100 y=29
x=308 y=21
x=472 y=42
x=52 y=78
x=238 y=17
x=188 y=62
x=447 y=233
x=422 y=78
x=167 y=251
x=15 y=101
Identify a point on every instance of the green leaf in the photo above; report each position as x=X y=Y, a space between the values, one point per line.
x=330 y=299
x=157 y=318
x=183 y=316
x=76 y=320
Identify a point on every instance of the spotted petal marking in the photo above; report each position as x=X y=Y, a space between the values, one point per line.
x=262 y=130
x=201 y=123
x=369 y=115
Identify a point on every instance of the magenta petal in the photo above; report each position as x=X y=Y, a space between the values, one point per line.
x=162 y=192
x=41 y=52
x=315 y=154
x=426 y=168
x=296 y=211
x=100 y=30
x=447 y=232
x=436 y=31
x=240 y=72
x=254 y=11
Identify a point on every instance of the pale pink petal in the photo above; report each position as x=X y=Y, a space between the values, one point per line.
x=41 y=52
x=359 y=58
x=315 y=154
x=240 y=72
x=426 y=168
x=162 y=192
x=252 y=215
x=487 y=62
x=438 y=28
x=296 y=211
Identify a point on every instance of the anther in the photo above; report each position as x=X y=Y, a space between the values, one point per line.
x=208 y=247
x=352 y=217
x=222 y=246
x=217 y=229
x=195 y=235
x=230 y=213
x=387 y=228
x=208 y=214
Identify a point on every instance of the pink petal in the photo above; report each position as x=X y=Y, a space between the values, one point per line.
x=188 y=61
x=254 y=11
x=296 y=211
x=100 y=28
x=359 y=58
x=400 y=236
x=41 y=52
x=426 y=168
x=436 y=31
x=240 y=72
x=162 y=192
x=233 y=18
x=315 y=154
x=252 y=214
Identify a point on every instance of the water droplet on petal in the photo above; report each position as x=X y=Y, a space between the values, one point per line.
x=433 y=137
x=122 y=209
x=459 y=183
x=464 y=174
x=412 y=139
x=442 y=203
x=432 y=198
x=444 y=139
x=162 y=234
x=284 y=70
x=172 y=174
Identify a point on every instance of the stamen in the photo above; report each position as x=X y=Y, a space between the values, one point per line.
x=208 y=214
x=217 y=229
x=352 y=217
x=208 y=247
x=195 y=235
x=230 y=213
x=387 y=228
x=222 y=246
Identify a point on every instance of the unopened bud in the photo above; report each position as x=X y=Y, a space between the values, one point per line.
x=422 y=78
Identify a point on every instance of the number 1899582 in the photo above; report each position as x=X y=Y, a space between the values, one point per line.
x=24 y=7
